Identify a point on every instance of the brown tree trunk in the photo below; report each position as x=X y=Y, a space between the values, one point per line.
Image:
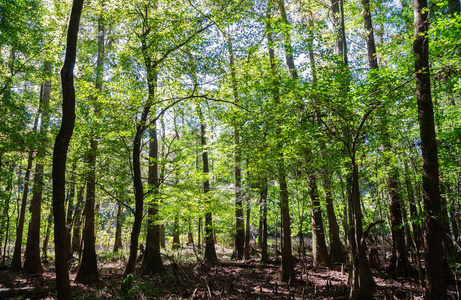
x=247 y=230
x=16 y=263
x=118 y=230
x=263 y=221
x=5 y=216
x=47 y=236
x=76 y=236
x=88 y=269
x=190 y=236
x=32 y=263
x=239 y=220
x=69 y=218
x=286 y=269
x=398 y=264
x=210 y=250
x=435 y=283
x=321 y=256
x=152 y=262
x=176 y=242
x=60 y=154
x=360 y=277
x=336 y=247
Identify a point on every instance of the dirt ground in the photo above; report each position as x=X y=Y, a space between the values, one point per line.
x=185 y=278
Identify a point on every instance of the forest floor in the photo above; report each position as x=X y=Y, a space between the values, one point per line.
x=185 y=278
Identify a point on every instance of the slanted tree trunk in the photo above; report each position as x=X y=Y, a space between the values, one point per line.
x=118 y=229
x=32 y=263
x=435 y=283
x=88 y=269
x=60 y=154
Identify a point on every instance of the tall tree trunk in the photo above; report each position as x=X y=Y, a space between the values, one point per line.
x=210 y=251
x=247 y=230
x=239 y=221
x=336 y=247
x=398 y=264
x=76 y=236
x=263 y=220
x=286 y=269
x=88 y=269
x=176 y=242
x=152 y=262
x=5 y=220
x=16 y=263
x=321 y=256
x=70 y=208
x=47 y=236
x=435 y=283
x=32 y=263
x=60 y=154
x=118 y=230
x=360 y=277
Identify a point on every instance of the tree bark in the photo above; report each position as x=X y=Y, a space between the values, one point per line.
x=69 y=218
x=16 y=263
x=76 y=236
x=176 y=242
x=398 y=264
x=118 y=230
x=336 y=247
x=246 y=250
x=263 y=220
x=32 y=263
x=239 y=221
x=88 y=269
x=60 y=153
x=286 y=269
x=152 y=262
x=360 y=277
x=210 y=250
x=321 y=256
x=435 y=283
x=47 y=236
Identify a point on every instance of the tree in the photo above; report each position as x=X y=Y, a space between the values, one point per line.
x=60 y=153
x=88 y=269
x=435 y=283
x=32 y=263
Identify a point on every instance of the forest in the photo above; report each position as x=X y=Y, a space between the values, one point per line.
x=230 y=149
